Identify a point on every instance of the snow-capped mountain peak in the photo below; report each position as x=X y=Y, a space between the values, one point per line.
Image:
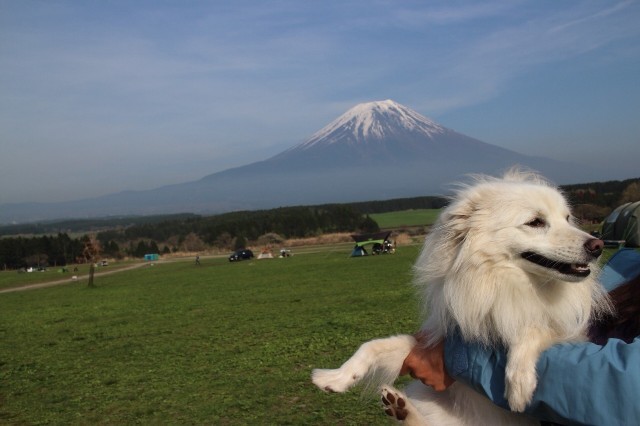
x=373 y=120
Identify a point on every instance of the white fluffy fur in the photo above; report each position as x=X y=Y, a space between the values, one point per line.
x=472 y=277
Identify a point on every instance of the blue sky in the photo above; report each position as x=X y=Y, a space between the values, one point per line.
x=102 y=96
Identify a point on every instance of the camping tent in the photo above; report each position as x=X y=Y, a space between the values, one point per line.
x=622 y=224
x=378 y=239
x=265 y=254
x=358 y=251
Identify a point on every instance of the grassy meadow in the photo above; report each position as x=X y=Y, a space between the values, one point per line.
x=398 y=219
x=221 y=343
x=9 y=279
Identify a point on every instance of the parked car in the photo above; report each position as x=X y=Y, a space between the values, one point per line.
x=241 y=255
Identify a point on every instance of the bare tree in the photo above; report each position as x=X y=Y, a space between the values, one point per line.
x=631 y=193
x=193 y=243
x=91 y=253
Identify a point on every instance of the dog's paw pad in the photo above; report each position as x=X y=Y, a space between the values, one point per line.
x=394 y=404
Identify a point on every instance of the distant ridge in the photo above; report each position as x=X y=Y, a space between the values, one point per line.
x=376 y=150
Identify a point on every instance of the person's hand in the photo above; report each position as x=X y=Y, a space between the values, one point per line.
x=427 y=364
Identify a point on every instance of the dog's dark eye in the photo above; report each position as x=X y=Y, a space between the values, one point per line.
x=537 y=223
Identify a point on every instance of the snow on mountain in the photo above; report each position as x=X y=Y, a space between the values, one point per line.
x=375 y=134
x=373 y=120
x=374 y=151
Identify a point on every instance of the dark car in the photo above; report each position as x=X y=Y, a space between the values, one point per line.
x=241 y=255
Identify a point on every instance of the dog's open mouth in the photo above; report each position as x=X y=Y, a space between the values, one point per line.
x=575 y=269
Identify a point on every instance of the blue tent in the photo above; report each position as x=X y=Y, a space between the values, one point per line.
x=358 y=251
x=379 y=240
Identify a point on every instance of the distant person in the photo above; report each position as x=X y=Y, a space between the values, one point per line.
x=197 y=260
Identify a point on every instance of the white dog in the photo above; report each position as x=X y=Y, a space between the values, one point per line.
x=505 y=265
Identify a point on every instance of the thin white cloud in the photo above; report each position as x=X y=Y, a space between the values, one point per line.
x=447 y=13
x=481 y=69
x=219 y=78
x=595 y=16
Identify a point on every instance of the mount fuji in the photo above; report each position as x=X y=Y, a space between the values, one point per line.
x=374 y=151
x=380 y=150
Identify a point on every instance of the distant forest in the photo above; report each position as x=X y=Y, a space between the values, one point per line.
x=50 y=243
x=181 y=233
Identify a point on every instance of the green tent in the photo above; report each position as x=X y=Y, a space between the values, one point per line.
x=379 y=241
x=622 y=225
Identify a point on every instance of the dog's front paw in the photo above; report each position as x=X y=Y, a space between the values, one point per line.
x=520 y=385
x=334 y=380
x=394 y=404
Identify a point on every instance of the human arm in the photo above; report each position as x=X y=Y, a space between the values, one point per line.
x=427 y=364
x=580 y=383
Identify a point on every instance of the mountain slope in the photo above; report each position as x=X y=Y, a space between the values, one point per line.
x=373 y=137
x=376 y=150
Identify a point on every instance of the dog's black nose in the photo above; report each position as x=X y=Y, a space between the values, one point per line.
x=594 y=247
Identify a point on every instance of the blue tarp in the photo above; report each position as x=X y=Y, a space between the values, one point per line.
x=623 y=266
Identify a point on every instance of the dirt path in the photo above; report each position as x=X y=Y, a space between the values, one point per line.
x=115 y=271
x=69 y=280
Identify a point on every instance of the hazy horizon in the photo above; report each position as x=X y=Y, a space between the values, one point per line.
x=99 y=98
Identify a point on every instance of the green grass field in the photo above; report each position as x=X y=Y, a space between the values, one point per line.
x=221 y=343
x=10 y=279
x=419 y=217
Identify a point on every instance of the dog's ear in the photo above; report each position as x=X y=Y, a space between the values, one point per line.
x=440 y=255
x=454 y=220
x=444 y=240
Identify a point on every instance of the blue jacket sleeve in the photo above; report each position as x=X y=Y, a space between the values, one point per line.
x=579 y=383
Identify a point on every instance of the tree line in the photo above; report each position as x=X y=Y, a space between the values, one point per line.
x=233 y=230
x=592 y=202
x=86 y=225
x=188 y=233
x=58 y=250
x=137 y=236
